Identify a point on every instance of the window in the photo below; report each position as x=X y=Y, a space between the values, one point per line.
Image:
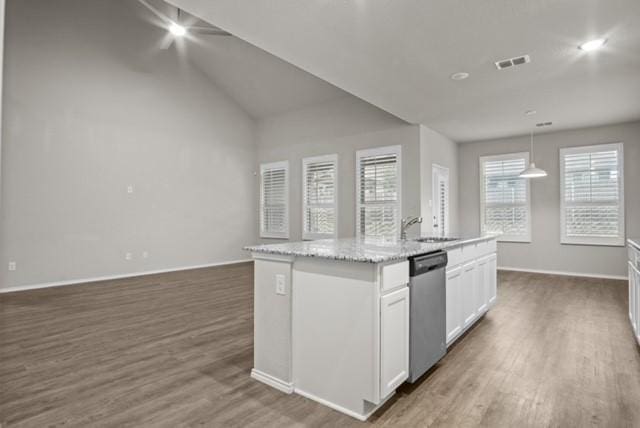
x=592 y=195
x=274 y=200
x=319 y=197
x=378 y=189
x=504 y=197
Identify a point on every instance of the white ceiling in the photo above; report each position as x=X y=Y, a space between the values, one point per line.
x=398 y=55
x=262 y=84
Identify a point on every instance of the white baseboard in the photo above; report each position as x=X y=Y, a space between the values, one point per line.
x=334 y=406
x=273 y=382
x=564 y=273
x=111 y=277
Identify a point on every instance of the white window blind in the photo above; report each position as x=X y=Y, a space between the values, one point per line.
x=443 y=205
x=274 y=200
x=319 y=197
x=440 y=199
x=378 y=190
x=592 y=196
x=505 y=206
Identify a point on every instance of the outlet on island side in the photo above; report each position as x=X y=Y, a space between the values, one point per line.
x=280 y=285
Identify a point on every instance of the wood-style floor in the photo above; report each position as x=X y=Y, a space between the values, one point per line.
x=176 y=350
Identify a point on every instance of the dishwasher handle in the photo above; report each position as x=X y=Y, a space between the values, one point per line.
x=427 y=262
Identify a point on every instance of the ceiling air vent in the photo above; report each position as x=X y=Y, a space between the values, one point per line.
x=510 y=62
x=541 y=124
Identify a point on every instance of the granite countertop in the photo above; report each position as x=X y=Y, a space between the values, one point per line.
x=366 y=250
x=635 y=242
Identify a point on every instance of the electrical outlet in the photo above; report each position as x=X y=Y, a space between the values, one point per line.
x=128 y=256
x=130 y=188
x=12 y=266
x=280 y=285
x=145 y=254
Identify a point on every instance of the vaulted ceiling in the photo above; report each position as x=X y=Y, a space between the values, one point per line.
x=399 y=55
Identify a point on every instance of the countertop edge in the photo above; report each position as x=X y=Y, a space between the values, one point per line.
x=264 y=249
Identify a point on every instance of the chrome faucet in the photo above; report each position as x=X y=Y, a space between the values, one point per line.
x=406 y=223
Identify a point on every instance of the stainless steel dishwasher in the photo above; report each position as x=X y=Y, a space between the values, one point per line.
x=427 y=341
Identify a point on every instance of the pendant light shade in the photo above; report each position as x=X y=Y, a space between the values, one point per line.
x=532 y=171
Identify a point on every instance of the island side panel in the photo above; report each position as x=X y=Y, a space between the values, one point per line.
x=336 y=333
x=272 y=322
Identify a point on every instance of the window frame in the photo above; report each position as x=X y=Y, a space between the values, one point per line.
x=379 y=151
x=268 y=166
x=506 y=156
x=593 y=240
x=333 y=158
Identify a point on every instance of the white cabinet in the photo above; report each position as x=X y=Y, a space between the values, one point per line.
x=632 y=297
x=454 y=303
x=469 y=291
x=634 y=291
x=491 y=282
x=471 y=286
x=482 y=285
x=394 y=340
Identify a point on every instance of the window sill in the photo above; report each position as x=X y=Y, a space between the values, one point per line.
x=616 y=243
x=273 y=236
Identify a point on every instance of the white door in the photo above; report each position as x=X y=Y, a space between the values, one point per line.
x=454 y=303
x=440 y=200
x=394 y=340
x=468 y=290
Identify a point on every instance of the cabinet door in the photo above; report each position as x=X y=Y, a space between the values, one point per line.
x=482 y=285
x=636 y=308
x=394 y=340
x=492 y=286
x=469 y=289
x=632 y=298
x=454 y=303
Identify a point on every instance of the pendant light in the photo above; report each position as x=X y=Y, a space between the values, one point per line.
x=532 y=171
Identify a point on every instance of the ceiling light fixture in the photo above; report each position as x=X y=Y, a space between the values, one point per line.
x=530 y=112
x=459 y=76
x=532 y=171
x=593 y=45
x=177 y=29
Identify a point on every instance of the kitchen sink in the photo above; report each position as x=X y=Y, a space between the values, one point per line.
x=437 y=239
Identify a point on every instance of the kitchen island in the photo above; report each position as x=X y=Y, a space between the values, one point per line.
x=331 y=317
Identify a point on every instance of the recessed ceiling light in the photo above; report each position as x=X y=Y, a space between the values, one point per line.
x=177 y=29
x=592 y=45
x=530 y=112
x=459 y=76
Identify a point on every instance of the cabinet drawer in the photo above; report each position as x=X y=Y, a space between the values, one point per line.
x=482 y=249
x=454 y=256
x=492 y=246
x=394 y=275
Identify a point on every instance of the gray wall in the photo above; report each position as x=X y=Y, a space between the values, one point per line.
x=339 y=126
x=545 y=251
x=92 y=106
x=438 y=149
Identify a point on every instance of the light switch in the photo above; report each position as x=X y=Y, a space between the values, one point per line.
x=280 y=285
